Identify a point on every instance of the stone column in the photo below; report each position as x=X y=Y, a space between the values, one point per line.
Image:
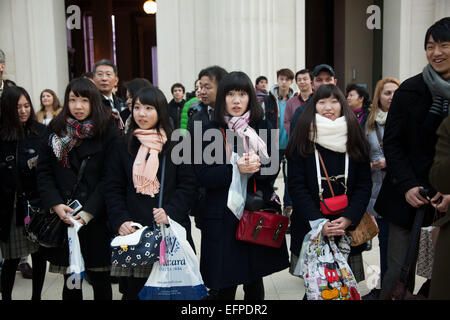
x=405 y=23
x=34 y=39
x=257 y=37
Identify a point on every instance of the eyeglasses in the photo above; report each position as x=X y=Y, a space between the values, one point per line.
x=107 y=74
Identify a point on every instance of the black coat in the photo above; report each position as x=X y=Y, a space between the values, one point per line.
x=304 y=191
x=409 y=147
x=225 y=261
x=13 y=168
x=124 y=204
x=175 y=109
x=55 y=185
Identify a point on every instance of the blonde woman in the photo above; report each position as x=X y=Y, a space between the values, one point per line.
x=50 y=107
x=384 y=91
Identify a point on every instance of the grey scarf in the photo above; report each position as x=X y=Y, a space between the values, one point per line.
x=437 y=85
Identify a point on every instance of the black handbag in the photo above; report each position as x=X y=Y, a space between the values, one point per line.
x=142 y=247
x=45 y=227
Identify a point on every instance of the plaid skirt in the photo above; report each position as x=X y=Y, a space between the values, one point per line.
x=65 y=270
x=18 y=245
x=139 y=272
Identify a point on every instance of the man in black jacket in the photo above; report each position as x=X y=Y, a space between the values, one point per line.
x=106 y=78
x=418 y=107
x=176 y=104
x=209 y=83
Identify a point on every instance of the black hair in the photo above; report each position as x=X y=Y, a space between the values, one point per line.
x=304 y=71
x=215 y=73
x=89 y=75
x=260 y=78
x=106 y=62
x=177 y=85
x=238 y=81
x=100 y=113
x=154 y=97
x=362 y=92
x=301 y=141
x=11 y=127
x=440 y=31
x=133 y=86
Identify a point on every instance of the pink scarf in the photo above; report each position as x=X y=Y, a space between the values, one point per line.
x=241 y=127
x=146 y=164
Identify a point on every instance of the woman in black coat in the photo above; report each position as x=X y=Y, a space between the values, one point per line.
x=226 y=262
x=83 y=130
x=335 y=132
x=129 y=201
x=20 y=139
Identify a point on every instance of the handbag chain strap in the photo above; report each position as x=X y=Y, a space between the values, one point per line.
x=319 y=177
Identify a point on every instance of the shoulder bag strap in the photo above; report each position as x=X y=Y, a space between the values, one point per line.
x=319 y=177
x=380 y=140
x=79 y=177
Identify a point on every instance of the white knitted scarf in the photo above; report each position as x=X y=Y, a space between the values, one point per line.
x=331 y=134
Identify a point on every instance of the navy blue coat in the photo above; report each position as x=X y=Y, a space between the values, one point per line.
x=14 y=157
x=124 y=204
x=55 y=185
x=225 y=261
x=304 y=191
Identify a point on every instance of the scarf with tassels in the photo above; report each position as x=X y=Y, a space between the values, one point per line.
x=242 y=128
x=76 y=131
x=146 y=164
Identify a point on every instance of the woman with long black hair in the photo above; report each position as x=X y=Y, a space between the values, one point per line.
x=20 y=139
x=134 y=178
x=327 y=129
x=80 y=140
x=226 y=262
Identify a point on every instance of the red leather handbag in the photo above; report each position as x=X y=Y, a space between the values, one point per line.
x=336 y=204
x=263 y=227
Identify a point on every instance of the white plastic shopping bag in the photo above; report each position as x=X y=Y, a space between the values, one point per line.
x=324 y=266
x=179 y=277
x=237 y=192
x=76 y=262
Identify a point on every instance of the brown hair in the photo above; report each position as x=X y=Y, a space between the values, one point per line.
x=56 y=103
x=370 y=124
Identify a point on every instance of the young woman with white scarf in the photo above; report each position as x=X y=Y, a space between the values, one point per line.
x=384 y=91
x=329 y=126
x=133 y=179
x=226 y=262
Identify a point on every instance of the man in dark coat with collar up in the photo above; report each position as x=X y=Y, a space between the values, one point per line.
x=418 y=107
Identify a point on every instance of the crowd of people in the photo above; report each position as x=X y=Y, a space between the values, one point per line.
x=106 y=152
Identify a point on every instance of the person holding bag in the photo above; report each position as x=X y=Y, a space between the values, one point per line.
x=327 y=145
x=226 y=262
x=20 y=140
x=71 y=167
x=134 y=177
x=384 y=91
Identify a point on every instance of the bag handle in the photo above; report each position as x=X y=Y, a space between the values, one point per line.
x=319 y=177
